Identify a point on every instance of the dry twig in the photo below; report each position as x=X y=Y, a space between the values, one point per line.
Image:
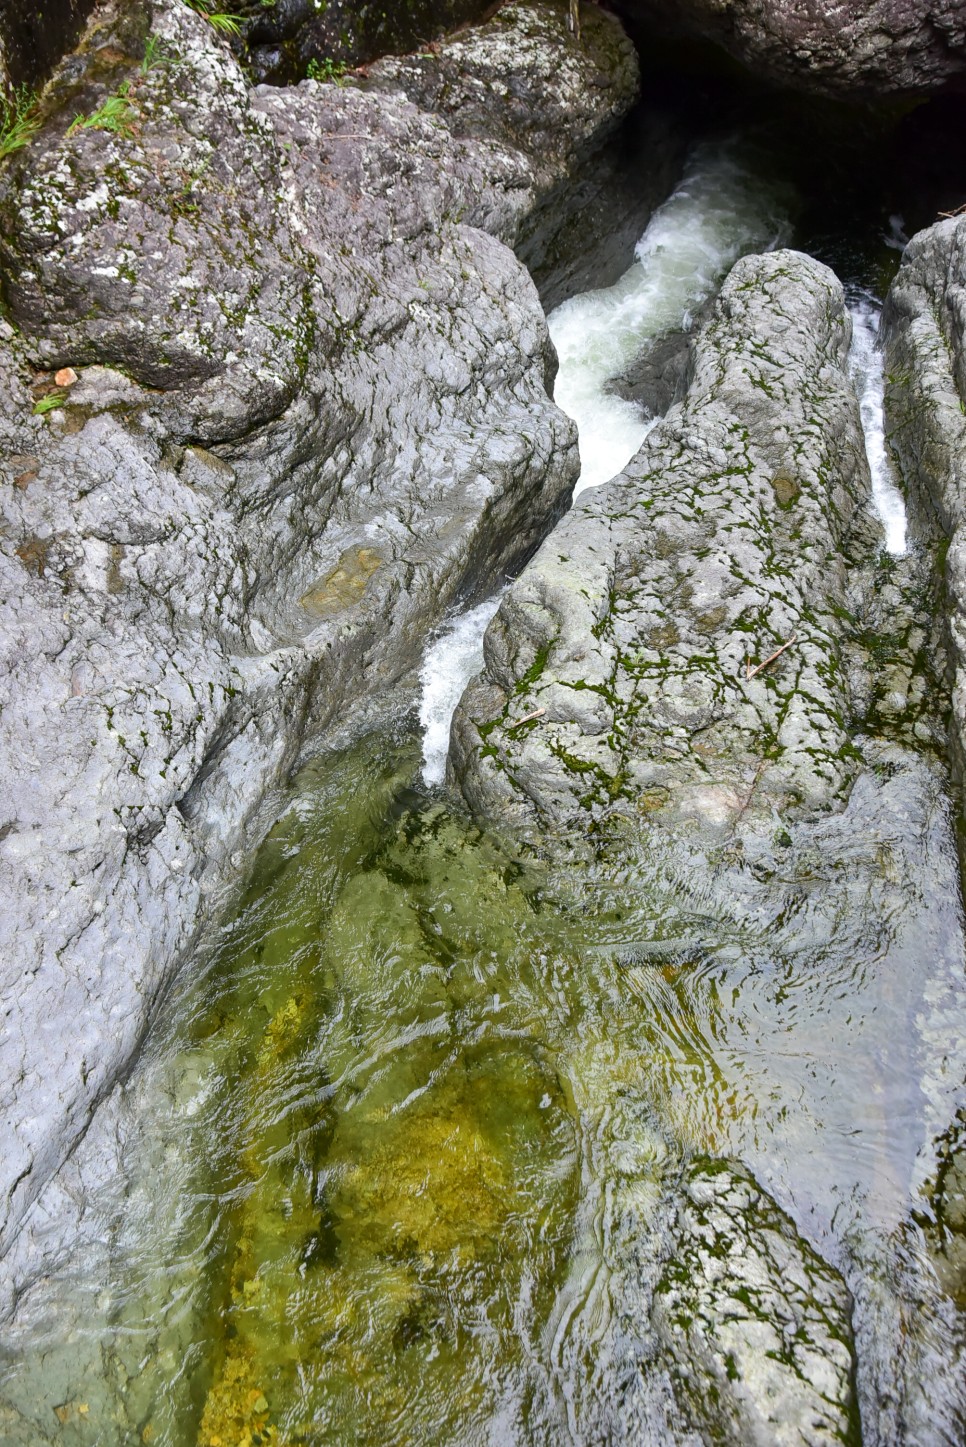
x=528 y=718
x=750 y=672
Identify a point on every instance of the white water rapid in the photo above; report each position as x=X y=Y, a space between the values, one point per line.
x=450 y=662
x=865 y=361
x=721 y=210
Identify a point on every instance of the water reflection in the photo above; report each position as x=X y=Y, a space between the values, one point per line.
x=398 y=1168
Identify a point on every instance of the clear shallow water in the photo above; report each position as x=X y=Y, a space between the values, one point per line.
x=722 y=208
x=378 y=1177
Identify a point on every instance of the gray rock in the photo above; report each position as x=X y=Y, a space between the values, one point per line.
x=311 y=411
x=924 y=328
x=633 y=629
x=756 y=1327
x=857 y=52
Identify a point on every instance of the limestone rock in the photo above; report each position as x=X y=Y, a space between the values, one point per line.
x=310 y=411
x=638 y=625
x=756 y=1326
x=924 y=325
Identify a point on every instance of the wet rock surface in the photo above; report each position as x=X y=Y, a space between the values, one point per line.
x=33 y=39
x=856 y=52
x=756 y=1326
x=310 y=410
x=622 y=675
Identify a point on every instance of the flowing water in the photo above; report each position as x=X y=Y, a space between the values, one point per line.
x=450 y=662
x=722 y=208
x=867 y=373
x=400 y=1150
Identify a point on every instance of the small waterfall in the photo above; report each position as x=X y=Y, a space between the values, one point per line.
x=865 y=362
x=450 y=662
x=720 y=211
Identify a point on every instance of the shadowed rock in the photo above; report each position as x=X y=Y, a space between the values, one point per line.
x=858 y=52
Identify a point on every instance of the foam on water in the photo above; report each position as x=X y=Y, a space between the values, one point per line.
x=450 y=662
x=865 y=362
x=720 y=211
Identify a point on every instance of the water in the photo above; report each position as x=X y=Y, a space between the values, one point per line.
x=384 y=1173
x=722 y=209
x=450 y=662
x=865 y=361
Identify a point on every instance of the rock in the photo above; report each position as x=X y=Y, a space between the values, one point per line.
x=549 y=102
x=283 y=39
x=946 y=1226
x=755 y=1326
x=924 y=329
x=870 y=53
x=32 y=40
x=311 y=411
x=636 y=625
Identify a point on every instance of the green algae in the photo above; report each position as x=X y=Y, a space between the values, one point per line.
x=425 y=1094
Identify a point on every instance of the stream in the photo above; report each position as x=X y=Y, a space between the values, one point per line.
x=394 y=1167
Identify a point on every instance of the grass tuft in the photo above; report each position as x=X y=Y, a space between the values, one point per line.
x=220 y=20
x=19 y=121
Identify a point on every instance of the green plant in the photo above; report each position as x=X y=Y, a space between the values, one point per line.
x=19 y=121
x=116 y=114
x=155 y=54
x=326 y=70
x=218 y=19
x=48 y=403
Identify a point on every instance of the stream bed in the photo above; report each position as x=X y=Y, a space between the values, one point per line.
x=396 y=1166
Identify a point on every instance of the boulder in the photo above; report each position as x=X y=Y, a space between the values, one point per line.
x=676 y=649
x=876 y=53
x=310 y=410
x=33 y=39
x=755 y=1327
x=924 y=329
x=283 y=38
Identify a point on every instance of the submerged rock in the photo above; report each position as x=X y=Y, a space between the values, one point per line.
x=756 y=1326
x=310 y=410
x=676 y=648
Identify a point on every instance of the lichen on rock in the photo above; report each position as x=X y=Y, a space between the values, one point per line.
x=644 y=626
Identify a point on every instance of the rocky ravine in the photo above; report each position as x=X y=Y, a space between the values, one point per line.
x=311 y=410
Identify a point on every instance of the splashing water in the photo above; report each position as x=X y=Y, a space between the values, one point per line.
x=450 y=662
x=719 y=212
x=865 y=362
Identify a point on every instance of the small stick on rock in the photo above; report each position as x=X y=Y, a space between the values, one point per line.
x=750 y=672
x=528 y=718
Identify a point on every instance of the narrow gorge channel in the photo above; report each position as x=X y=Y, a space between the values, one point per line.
x=415 y=1149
